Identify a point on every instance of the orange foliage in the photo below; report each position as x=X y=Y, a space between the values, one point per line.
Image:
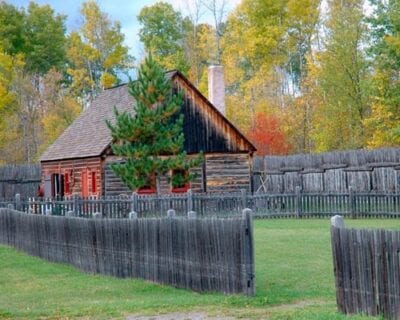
x=268 y=136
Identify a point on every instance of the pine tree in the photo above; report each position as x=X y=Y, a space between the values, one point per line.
x=151 y=138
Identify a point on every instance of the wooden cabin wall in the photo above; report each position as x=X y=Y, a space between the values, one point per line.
x=222 y=172
x=228 y=172
x=113 y=185
x=76 y=167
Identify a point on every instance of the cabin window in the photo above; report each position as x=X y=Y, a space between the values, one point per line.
x=182 y=187
x=149 y=188
x=57 y=185
x=67 y=183
x=94 y=189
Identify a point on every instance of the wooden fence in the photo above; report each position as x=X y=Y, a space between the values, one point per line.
x=330 y=172
x=264 y=205
x=367 y=270
x=198 y=254
x=22 y=179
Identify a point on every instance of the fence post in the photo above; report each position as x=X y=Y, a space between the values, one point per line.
x=75 y=205
x=298 y=202
x=249 y=287
x=18 y=202
x=337 y=221
x=69 y=213
x=192 y=214
x=244 y=198
x=171 y=213
x=133 y=215
x=97 y=215
x=189 y=198
x=134 y=205
x=352 y=202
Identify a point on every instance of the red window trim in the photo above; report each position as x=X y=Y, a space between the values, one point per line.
x=67 y=183
x=93 y=180
x=183 y=189
x=146 y=190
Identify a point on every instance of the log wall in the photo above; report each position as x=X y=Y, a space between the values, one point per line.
x=221 y=172
x=228 y=172
x=74 y=168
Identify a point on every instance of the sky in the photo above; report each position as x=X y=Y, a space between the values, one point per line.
x=122 y=10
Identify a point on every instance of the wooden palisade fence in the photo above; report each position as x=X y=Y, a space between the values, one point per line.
x=202 y=254
x=22 y=179
x=367 y=270
x=264 y=205
x=329 y=172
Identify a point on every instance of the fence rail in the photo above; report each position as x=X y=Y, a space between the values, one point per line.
x=367 y=270
x=264 y=205
x=202 y=254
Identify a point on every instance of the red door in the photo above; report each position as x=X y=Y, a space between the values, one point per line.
x=85 y=189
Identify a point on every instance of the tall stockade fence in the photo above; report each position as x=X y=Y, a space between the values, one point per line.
x=264 y=205
x=367 y=270
x=202 y=254
x=22 y=179
x=329 y=172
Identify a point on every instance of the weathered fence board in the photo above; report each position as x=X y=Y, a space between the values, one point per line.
x=22 y=179
x=367 y=271
x=265 y=205
x=364 y=171
x=199 y=254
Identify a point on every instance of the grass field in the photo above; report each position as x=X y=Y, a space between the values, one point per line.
x=294 y=280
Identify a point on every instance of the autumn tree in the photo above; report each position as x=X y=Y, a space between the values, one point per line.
x=265 y=49
x=342 y=79
x=268 y=136
x=33 y=42
x=60 y=107
x=96 y=52
x=383 y=123
x=151 y=138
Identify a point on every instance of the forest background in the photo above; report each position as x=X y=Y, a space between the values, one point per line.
x=301 y=75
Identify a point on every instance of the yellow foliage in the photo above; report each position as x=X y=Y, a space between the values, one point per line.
x=108 y=80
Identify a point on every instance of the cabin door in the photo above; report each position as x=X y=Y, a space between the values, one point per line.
x=85 y=189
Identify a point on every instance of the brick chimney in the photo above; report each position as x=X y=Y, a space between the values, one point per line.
x=216 y=87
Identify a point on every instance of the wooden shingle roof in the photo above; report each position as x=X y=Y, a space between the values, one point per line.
x=89 y=136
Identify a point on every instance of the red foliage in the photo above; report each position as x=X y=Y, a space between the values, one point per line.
x=267 y=136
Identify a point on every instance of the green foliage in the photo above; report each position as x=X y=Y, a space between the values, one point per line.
x=163 y=33
x=12 y=33
x=383 y=123
x=38 y=34
x=45 y=39
x=151 y=140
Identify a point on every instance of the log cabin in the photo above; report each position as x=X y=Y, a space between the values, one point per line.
x=78 y=162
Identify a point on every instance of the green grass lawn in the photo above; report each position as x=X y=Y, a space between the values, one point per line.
x=294 y=280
